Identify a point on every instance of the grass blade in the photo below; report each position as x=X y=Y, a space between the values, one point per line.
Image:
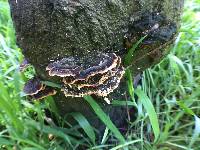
x=50 y=130
x=196 y=131
x=4 y=141
x=122 y=103
x=105 y=136
x=104 y=118
x=85 y=125
x=129 y=56
x=51 y=84
x=130 y=83
x=185 y=108
x=126 y=144
x=146 y=102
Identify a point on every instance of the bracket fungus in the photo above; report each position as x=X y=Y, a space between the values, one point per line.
x=81 y=77
x=63 y=68
x=37 y=90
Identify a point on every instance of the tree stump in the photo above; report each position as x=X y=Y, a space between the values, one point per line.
x=53 y=29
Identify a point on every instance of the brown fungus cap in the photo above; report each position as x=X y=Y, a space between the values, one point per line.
x=64 y=71
x=100 y=89
x=37 y=90
x=70 y=67
x=111 y=84
x=98 y=75
x=106 y=63
x=63 y=68
x=47 y=91
x=33 y=86
x=104 y=66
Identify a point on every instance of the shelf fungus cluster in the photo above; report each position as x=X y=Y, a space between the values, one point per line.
x=98 y=75
x=37 y=90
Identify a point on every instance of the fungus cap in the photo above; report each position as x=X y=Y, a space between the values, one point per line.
x=86 y=77
x=63 y=68
x=105 y=63
x=33 y=86
x=99 y=89
x=47 y=91
x=37 y=90
x=71 y=67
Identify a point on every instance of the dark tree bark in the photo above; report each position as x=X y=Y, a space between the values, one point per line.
x=50 y=29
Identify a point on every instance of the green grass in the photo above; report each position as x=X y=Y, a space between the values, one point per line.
x=168 y=105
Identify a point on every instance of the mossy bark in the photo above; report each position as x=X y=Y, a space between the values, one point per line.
x=50 y=29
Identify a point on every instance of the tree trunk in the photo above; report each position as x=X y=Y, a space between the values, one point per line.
x=50 y=29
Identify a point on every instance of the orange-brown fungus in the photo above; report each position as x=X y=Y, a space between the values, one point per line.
x=48 y=91
x=33 y=86
x=83 y=77
x=37 y=90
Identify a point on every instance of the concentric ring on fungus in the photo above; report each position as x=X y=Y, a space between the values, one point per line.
x=109 y=62
x=33 y=86
x=82 y=78
x=47 y=91
x=37 y=90
x=104 y=70
x=101 y=90
x=63 y=68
